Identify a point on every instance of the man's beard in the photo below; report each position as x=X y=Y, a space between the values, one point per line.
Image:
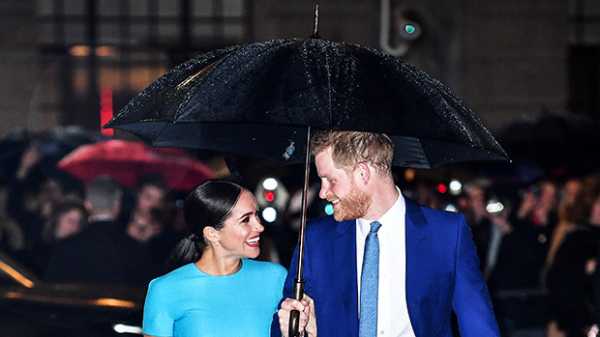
x=353 y=206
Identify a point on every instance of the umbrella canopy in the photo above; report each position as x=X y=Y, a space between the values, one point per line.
x=127 y=161
x=259 y=98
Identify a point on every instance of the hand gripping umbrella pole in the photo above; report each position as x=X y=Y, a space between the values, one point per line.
x=294 y=324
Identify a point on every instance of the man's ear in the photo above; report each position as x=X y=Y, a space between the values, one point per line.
x=211 y=234
x=363 y=173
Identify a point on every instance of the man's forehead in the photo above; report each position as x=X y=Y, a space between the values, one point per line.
x=152 y=190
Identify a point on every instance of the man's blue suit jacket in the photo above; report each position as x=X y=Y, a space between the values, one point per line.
x=442 y=274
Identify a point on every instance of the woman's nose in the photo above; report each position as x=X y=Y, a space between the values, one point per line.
x=258 y=226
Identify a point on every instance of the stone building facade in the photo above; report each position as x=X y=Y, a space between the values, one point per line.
x=509 y=59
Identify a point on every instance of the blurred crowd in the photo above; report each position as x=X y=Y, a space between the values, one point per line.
x=98 y=232
x=539 y=246
x=538 y=243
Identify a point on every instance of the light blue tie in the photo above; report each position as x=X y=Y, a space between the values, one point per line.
x=369 y=284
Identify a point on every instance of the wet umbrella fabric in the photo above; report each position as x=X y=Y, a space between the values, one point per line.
x=258 y=99
x=127 y=162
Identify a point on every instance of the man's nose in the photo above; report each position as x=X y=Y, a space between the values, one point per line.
x=323 y=192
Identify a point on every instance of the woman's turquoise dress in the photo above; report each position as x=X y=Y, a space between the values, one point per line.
x=190 y=303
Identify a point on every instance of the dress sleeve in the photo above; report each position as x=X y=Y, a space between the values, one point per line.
x=281 y=277
x=158 y=313
x=285 y=280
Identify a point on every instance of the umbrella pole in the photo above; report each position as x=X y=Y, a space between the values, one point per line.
x=294 y=323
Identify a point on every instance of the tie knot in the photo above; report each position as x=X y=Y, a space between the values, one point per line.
x=375 y=225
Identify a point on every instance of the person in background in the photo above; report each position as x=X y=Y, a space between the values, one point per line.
x=521 y=259
x=31 y=204
x=218 y=290
x=144 y=232
x=478 y=218
x=68 y=219
x=569 y=276
x=12 y=238
x=566 y=218
x=93 y=256
x=143 y=225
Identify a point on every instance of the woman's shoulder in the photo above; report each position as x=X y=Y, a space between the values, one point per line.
x=184 y=272
x=265 y=267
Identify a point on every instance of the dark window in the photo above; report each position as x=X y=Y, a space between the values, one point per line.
x=120 y=46
x=584 y=58
x=584 y=80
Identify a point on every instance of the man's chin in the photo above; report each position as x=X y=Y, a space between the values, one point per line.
x=339 y=217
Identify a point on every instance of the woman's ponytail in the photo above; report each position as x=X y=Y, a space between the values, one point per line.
x=208 y=205
x=187 y=250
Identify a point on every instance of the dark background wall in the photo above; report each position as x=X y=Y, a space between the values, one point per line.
x=509 y=59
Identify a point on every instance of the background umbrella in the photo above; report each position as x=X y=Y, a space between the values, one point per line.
x=559 y=144
x=52 y=145
x=264 y=98
x=127 y=161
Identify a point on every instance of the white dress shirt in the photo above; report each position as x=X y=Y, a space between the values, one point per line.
x=392 y=310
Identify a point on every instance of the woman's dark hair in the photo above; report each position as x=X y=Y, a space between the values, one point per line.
x=60 y=210
x=590 y=192
x=208 y=205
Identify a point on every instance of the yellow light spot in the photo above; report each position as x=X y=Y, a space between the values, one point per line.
x=114 y=302
x=15 y=275
x=79 y=50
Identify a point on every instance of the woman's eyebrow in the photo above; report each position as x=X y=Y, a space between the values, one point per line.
x=245 y=214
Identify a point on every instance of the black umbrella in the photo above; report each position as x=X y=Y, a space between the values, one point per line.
x=267 y=93
x=264 y=98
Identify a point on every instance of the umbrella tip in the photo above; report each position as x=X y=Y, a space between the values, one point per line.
x=315 y=34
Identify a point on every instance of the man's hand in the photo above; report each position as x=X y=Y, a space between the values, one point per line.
x=30 y=157
x=308 y=320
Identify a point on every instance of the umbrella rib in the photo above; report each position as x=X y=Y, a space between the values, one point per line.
x=200 y=72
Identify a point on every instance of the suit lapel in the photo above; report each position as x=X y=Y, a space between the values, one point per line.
x=345 y=265
x=416 y=254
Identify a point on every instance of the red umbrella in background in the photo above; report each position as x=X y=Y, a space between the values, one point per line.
x=127 y=161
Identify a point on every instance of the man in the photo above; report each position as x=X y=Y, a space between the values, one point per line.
x=385 y=266
x=92 y=256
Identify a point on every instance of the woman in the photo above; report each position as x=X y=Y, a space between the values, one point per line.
x=569 y=277
x=67 y=220
x=219 y=291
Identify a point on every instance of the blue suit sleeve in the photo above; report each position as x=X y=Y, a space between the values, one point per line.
x=471 y=300
x=158 y=319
